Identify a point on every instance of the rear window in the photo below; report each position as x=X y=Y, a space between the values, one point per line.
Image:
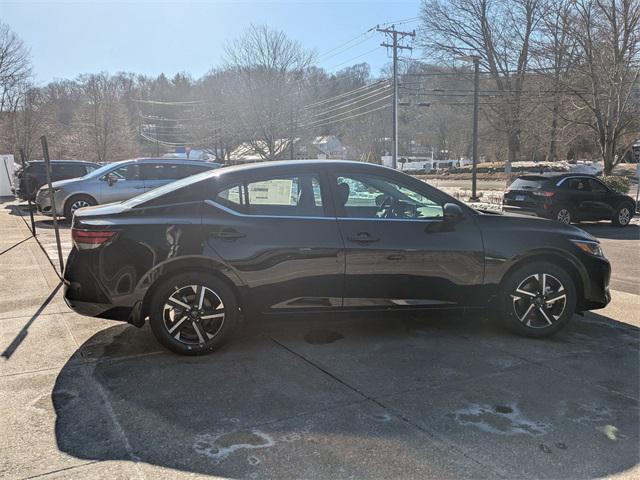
x=525 y=183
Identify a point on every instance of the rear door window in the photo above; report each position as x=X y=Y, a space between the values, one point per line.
x=576 y=184
x=153 y=171
x=596 y=186
x=295 y=195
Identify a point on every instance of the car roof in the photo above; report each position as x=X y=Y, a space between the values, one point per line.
x=177 y=161
x=557 y=176
x=283 y=164
x=66 y=161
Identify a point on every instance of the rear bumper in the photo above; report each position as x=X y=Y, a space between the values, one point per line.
x=510 y=205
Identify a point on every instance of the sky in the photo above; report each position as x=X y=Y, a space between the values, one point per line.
x=152 y=37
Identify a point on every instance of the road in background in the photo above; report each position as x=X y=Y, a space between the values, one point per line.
x=620 y=246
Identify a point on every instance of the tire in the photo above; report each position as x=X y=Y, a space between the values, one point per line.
x=623 y=215
x=525 y=312
x=563 y=214
x=75 y=202
x=190 y=332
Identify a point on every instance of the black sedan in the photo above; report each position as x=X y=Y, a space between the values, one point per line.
x=569 y=198
x=294 y=237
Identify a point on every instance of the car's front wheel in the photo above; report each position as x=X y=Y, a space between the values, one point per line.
x=193 y=313
x=537 y=300
x=623 y=215
x=76 y=202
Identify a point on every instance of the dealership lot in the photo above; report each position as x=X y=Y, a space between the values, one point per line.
x=370 y=396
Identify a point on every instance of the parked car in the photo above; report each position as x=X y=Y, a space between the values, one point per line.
x=569 y=198
x=116 y=182
x=28 y=179
x=295 y=237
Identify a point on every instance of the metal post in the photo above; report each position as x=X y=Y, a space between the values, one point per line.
x=33 y=222
x=474 y=168
x=47 y=169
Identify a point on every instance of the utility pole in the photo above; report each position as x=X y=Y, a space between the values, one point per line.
x=395 y=35
x=474 y=148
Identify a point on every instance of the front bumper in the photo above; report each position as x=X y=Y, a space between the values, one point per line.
x=596 y=292
x=43 y=203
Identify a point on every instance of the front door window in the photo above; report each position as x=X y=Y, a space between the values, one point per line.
x=368 y=196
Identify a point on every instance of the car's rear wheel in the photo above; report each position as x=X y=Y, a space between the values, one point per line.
x=623 y=215
x=537 y=300
x=193 y=313
x=76 y=202
x=563 y=214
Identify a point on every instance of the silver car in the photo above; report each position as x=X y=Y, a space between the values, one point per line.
x=116 y=182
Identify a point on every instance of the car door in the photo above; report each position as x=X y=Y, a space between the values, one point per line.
x=602 y=200
x=577 y=193
x=157 y=174
x=277 y=232
x=399 y=250
x=125 y=183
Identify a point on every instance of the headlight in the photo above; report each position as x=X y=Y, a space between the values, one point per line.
x=592 y=248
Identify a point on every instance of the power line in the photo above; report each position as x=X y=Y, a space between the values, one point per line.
x=354 y=100
x=350 y=117
x=352 y=110
x=342 y=95
x=354 y=58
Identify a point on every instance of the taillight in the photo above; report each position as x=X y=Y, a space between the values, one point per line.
x=543 y=193
x=88 y=239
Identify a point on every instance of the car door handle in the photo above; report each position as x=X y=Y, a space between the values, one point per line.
x=139 y=187
x=227 y=234
x=363 y=238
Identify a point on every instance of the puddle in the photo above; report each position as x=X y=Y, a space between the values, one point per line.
x=322 y=337
x=219 y=447
x=499 y=419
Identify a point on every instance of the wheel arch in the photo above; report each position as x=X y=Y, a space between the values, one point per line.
x=578 y=274
x=193 y=264
x=77 y=194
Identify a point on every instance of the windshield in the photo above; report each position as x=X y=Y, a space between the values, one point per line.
x=528 y=183
x=169 y=187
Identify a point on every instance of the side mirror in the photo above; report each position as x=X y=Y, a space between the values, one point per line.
x=111 y=179
x=452 y=213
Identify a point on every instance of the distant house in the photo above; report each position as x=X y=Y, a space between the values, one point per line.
x=251 y=152
x=324 y=147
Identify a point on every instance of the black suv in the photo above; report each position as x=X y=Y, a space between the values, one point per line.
x=569 y=198
x=27 y=180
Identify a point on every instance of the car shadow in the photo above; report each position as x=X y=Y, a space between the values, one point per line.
x=606 y=230
x=294 y=399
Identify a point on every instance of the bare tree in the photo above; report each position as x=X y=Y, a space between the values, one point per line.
x=102 y=121
x=15 y=66
x=555 y=54
x=270 y=70
x=605 y=80
x=499 y=32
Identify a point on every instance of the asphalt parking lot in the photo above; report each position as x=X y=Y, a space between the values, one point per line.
x=371 y=396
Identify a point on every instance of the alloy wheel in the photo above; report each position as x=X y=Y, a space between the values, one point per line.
x=624 y=216
x=193 y=314
x=79 y=204
x=564 y=216
x=539 y=300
